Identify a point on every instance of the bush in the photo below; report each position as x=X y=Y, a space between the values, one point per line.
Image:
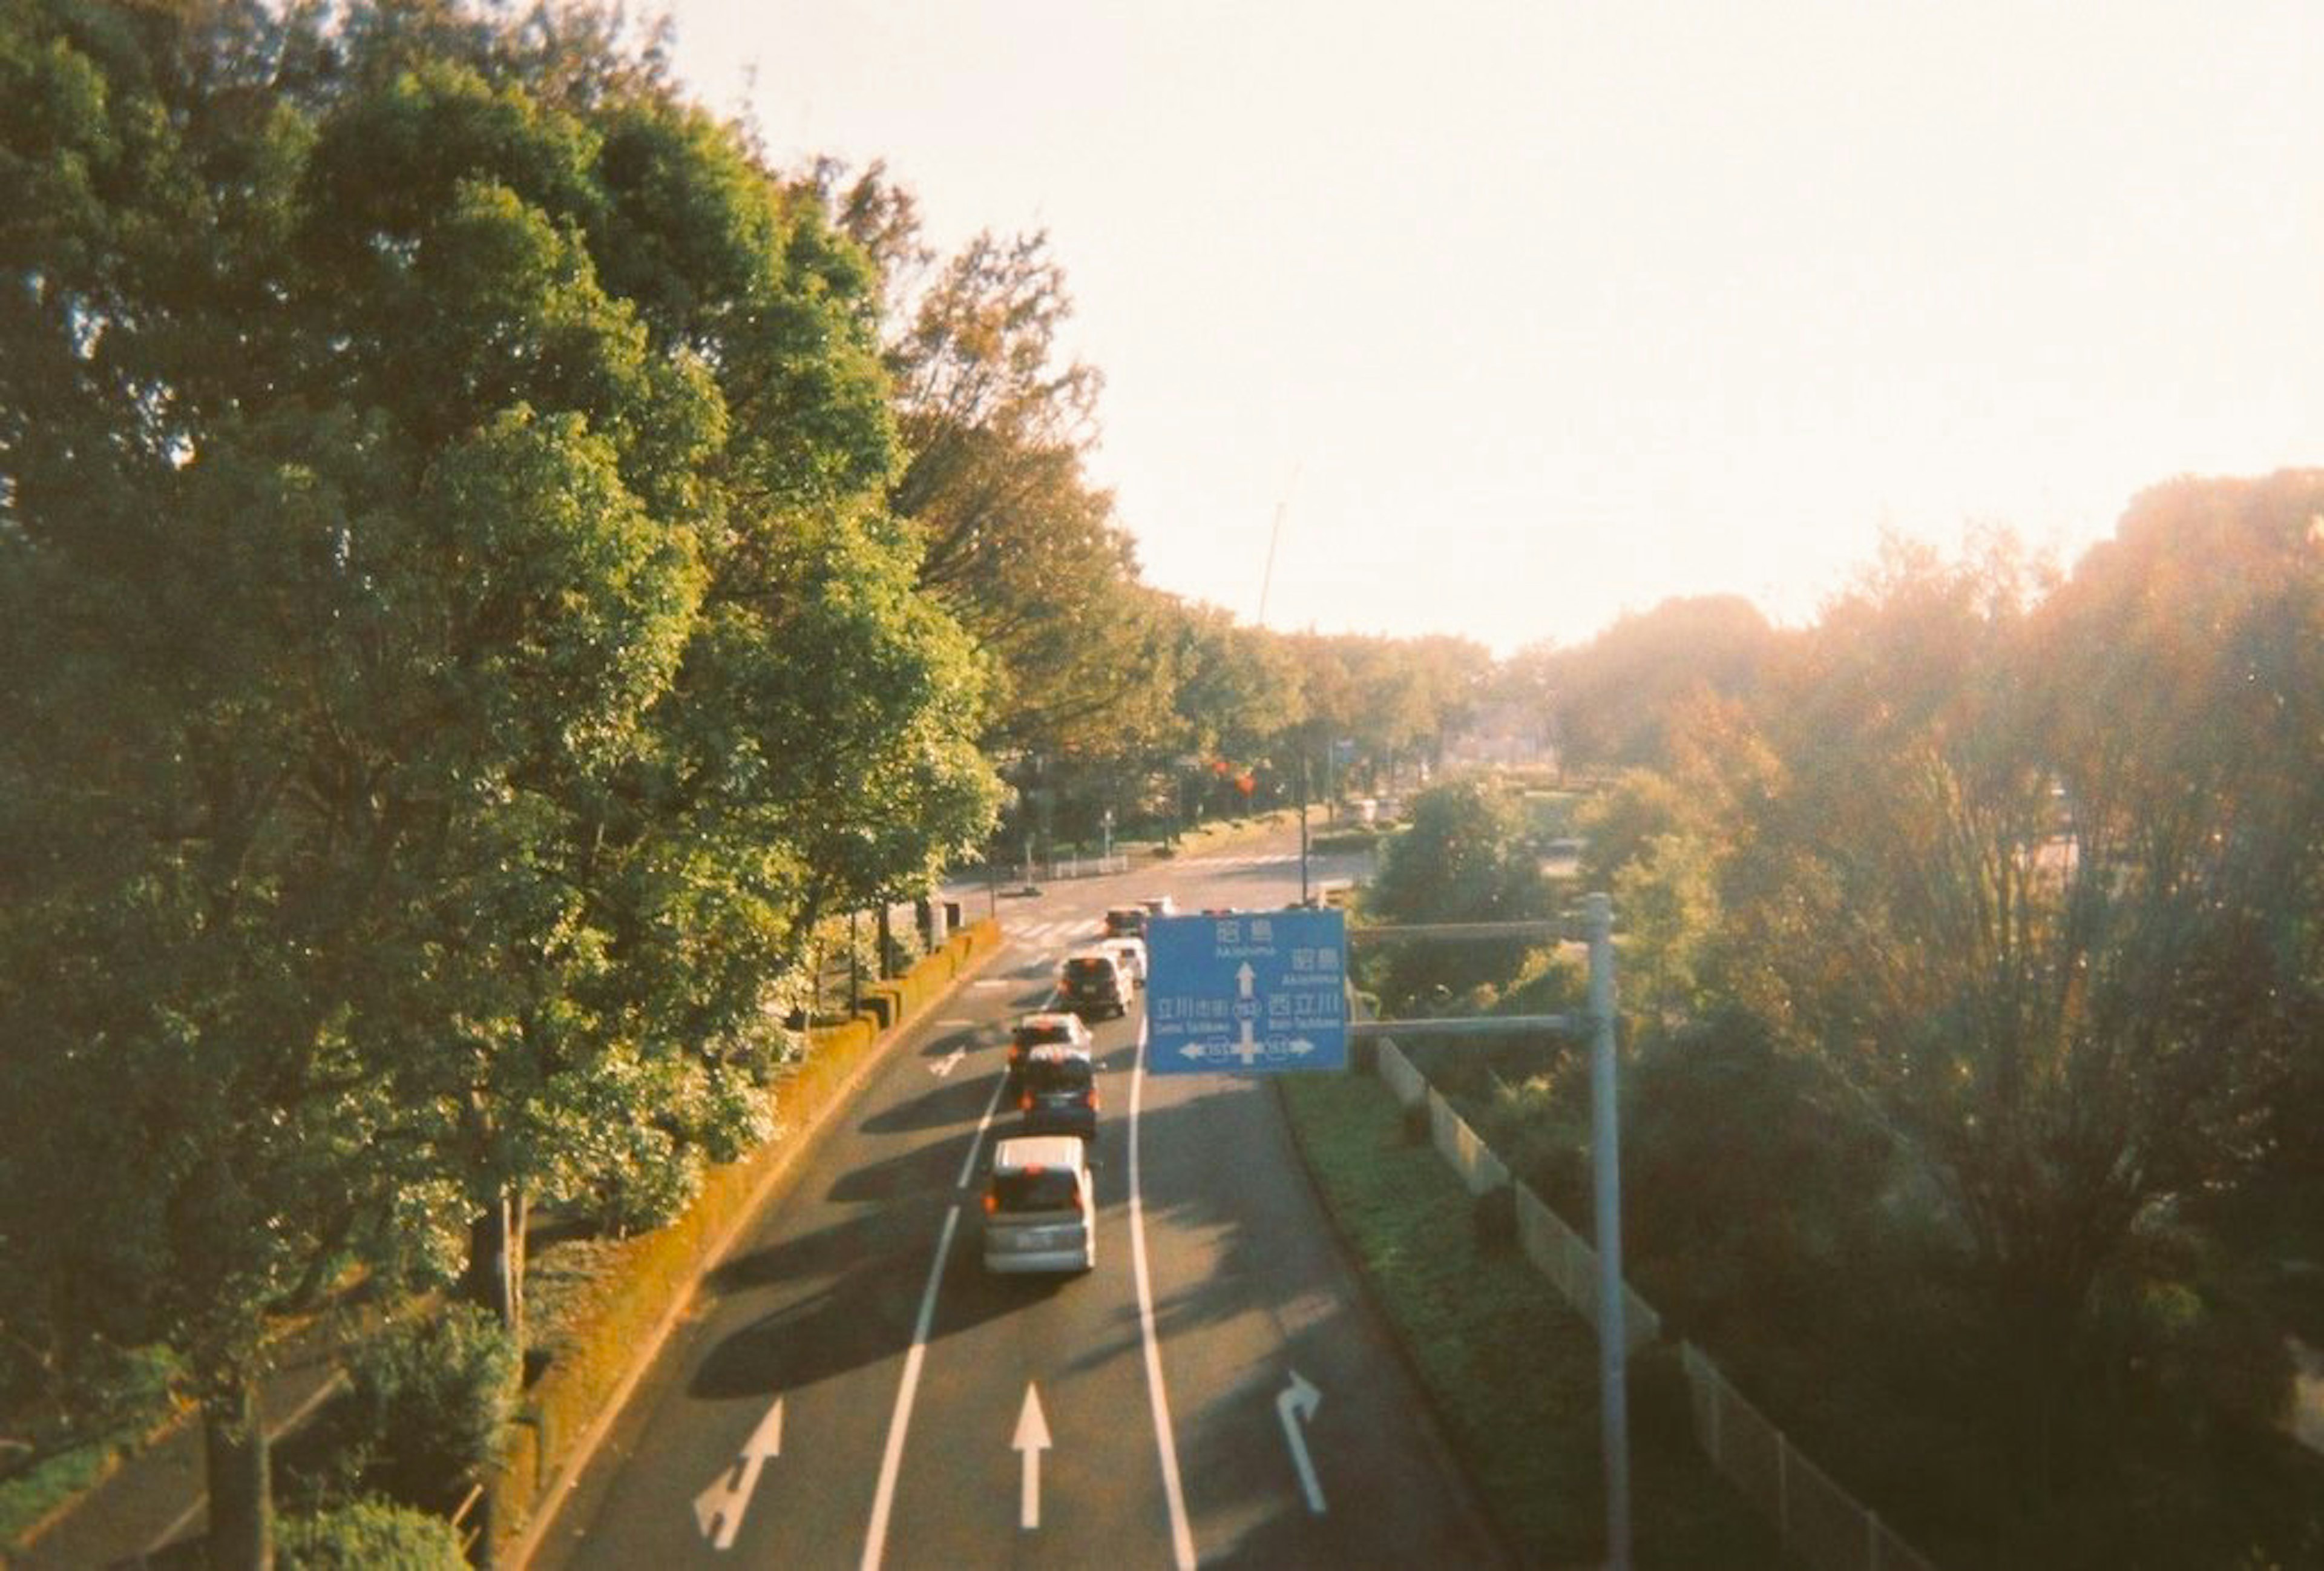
x=428 y=1400
x=367 y=1535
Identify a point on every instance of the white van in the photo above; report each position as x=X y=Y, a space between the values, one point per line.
x=1093 y=981
x=1040 y=1206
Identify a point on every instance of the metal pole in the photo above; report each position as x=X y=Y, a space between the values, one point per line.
x=1303 y=826
x=1606 y=1170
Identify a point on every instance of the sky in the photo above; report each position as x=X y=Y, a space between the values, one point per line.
x=1504 y=321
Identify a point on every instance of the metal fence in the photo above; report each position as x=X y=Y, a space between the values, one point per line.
x=1819 y=1522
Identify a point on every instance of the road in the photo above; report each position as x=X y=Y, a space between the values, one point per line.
x=853 y=1389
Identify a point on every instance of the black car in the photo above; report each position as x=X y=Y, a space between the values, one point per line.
x=1058 y=1093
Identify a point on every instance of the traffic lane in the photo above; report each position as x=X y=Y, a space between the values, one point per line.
x=1095 y=1490
x=1251 y=1288
x=1255 y=1304
x=816 y=1309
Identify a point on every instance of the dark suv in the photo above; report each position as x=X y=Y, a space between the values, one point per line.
x=1034 y=1030
x=1059 y=1092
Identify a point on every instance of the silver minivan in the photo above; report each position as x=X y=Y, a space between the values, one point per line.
x=1040 y=1206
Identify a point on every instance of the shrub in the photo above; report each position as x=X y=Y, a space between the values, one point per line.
x=367 y=1535
x=428 y=1398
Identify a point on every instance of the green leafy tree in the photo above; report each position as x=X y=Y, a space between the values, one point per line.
x=1466 y=857
x=1016 y=542
x=2066 y=1026
x=455 y=646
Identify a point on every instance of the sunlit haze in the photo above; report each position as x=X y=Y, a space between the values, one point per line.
x=1524 y=316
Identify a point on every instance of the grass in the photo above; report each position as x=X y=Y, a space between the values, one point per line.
x=1511 y=1372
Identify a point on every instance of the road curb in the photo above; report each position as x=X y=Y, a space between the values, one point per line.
x=781 y=1169
x=1431 y=1422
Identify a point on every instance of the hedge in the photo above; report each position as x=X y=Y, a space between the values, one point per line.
x=659 y=1272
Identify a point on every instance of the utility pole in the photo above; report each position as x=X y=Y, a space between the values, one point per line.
x=1303 y=826
x=1606 y=1187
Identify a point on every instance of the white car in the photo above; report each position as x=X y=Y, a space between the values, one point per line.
x=1159 y=905
x=1094 y=981
x=1040 y=1206
x=1132 y=953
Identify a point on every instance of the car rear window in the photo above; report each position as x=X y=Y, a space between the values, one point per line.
x=1087 y=970
x=1036 y=1190
x=1033 y=1036
x=1058 y=1075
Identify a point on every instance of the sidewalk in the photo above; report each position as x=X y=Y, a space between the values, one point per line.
x=151 y=1511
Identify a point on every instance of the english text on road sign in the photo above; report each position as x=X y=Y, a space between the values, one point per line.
x=1247 y=992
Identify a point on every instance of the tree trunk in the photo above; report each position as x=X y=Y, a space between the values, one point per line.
x=887 y=941
x=495 y=1275
x=241 y=1500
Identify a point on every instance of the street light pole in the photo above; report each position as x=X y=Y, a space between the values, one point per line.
x=1606 y=1184
x=1303 y=826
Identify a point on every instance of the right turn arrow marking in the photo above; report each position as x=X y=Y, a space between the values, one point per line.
x=1296 y=1407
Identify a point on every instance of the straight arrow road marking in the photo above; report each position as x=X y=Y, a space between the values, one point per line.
x=1032 y=1438
x=1295 y=1406
x=718 y=1510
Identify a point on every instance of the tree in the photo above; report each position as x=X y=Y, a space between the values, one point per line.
x=1014 y=539
x=455 y=646
x=2066 y=1025
x=1610 y=702
x=1466 y=857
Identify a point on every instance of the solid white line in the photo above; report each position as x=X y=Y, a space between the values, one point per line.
x=1182 y=1535
x=891 y=1461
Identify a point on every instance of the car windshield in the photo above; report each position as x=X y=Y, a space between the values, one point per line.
x=1036 y=1190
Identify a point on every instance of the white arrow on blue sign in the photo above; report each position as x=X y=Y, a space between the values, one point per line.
x=1247 y=992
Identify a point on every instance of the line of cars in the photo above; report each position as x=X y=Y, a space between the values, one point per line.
x=1040 y=1208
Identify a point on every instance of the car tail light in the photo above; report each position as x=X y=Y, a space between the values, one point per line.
x=1025 y=1103
x=1092 y=1100
x=992 y=1204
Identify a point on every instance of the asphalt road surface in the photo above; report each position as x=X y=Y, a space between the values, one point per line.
x=853 y=1389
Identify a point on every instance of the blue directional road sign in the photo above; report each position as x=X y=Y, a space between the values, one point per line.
x=1250 y=993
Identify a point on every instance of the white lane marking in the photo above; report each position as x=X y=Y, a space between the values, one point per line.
x=990 y=985
x=1182 y=1535
x=1032 y=1438
x=718 y=1510
x=1295 y=1406
x=891 y=1461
